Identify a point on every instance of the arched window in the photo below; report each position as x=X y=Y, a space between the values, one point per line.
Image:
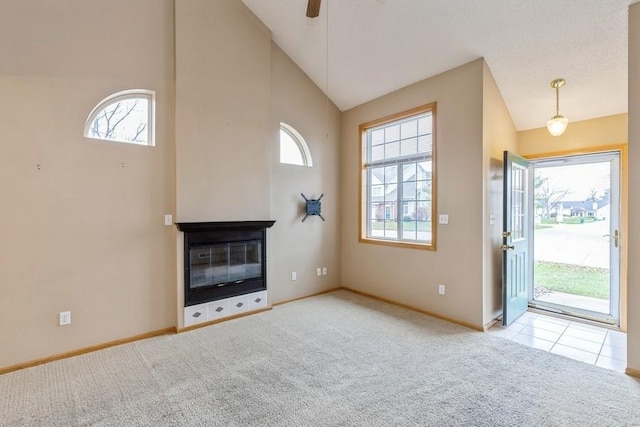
x=126 y=116
x=293 y=148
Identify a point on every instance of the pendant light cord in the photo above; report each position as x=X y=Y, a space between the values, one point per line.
x=327 y=74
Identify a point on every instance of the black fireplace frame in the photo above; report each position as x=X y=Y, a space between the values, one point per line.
x=199 y=233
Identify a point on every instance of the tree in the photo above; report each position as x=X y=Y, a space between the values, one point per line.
x=122 y=120
x=593 y=195
x=548 y=194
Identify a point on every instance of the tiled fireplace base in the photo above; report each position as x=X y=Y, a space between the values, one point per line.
x=227 y=307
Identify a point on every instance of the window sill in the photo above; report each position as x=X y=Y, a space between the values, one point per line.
x=399 y=244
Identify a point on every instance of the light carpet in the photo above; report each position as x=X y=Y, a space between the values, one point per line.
x=337 y=359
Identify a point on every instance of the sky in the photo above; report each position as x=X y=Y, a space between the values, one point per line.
x=580 y=179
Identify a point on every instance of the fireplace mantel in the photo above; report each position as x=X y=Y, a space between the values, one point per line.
x=196 y=227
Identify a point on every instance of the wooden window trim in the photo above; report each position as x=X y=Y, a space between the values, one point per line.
x=362 y=185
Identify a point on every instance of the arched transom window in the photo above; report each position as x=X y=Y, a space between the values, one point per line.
x=293 y=148
x=126 y=116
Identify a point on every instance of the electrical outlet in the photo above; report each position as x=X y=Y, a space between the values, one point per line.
x=318 y=271
x=441 y=289
x=65 y=318
x=324 y=271
x=294 y=276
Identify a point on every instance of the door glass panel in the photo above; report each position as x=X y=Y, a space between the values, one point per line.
x=518 y=200
x=576 y=217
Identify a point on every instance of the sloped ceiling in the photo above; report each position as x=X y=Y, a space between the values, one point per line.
x=366 y=48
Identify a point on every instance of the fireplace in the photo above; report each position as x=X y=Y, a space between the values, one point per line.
x=223 y=259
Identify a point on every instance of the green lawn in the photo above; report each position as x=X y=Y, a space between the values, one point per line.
x=568 y=220
x=572 y=279
x=542 y=226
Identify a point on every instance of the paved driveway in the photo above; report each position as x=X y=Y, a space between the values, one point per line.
x=578 y=244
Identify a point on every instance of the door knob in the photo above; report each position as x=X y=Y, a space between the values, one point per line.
x=506 y=247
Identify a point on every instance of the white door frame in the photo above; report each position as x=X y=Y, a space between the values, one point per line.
x=615 y=158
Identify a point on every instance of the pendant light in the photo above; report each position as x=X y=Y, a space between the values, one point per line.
x=558 y=123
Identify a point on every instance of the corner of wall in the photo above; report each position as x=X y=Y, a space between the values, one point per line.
x=375 y=269
x=633 y=297
x=498 y=134
x=303 y=247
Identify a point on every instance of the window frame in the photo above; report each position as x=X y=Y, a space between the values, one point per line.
x=124 y=95
x=301 y=143
x=364 y=214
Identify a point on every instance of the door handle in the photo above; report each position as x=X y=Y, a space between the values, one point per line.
x=616 y=238
x=506 y=247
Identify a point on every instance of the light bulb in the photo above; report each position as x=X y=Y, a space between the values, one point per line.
x=557 y=125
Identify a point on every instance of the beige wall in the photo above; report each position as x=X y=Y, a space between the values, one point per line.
x=233 y=88
x=223 y=84
x=82 y=233
x=580 y=135
x=498 y=134
x=223 y=91
x=411 y=276
x=297 y=246
x=633 y=316
x=87 y=235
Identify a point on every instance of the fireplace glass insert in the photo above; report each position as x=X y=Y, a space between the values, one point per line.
x=225 y=263
x=223 y=259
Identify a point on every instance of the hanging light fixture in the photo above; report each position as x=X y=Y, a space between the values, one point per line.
x=558 y=123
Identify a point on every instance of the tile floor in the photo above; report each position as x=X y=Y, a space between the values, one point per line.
x=598 y=346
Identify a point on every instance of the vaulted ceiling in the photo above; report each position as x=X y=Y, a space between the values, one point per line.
x=358 y=50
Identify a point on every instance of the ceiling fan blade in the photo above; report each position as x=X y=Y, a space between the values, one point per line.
x=313 y=8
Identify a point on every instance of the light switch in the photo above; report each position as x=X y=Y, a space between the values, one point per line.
x=443 y=219
x=168 y=219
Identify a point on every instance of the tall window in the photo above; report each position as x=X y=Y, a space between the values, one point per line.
x=293 y=148
x=398 y=171
x=126 y=116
